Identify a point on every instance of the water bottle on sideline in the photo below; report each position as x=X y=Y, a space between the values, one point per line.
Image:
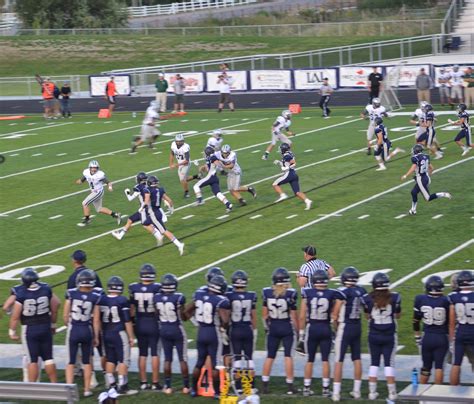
x=414 y=377
x=134 y=114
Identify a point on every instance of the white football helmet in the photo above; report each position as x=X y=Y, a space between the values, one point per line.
x=286 y=114
x=225 y=151
x=376 y=102
x=217 y=133
x=155 y=105
x=179 y=137
x=93 y=164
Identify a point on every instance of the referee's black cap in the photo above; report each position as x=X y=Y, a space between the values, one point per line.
x=310 y=250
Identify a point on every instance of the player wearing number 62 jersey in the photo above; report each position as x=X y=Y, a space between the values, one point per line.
x=79 y=308
x=422 y=168
x=382 y=308
x=36 y=307
x=147 y=331
x=432 y=309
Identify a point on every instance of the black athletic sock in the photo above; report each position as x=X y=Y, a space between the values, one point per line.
x=114 y=214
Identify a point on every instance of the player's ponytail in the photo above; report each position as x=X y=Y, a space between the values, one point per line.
x=280 y=290
x=381 y=298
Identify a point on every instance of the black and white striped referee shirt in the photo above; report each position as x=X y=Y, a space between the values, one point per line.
x=309 y=267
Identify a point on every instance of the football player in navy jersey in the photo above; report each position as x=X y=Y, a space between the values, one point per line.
x=317 y=309
x=432 y=309
x=423 y=169
x=428 y=139
x=117 y=330
x=461 y=322
x=243 y=321
x=281 y=322
x=79 y=308
x=465 y=132
x=170 y=305
x=211 y=179
x=382 y=308
x=348 y=332
x=287 y=165
x=382 y=145
x=36 y=307
x=147 y=331
x=211 y=310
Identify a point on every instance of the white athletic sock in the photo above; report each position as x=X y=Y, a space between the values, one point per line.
x=392 y=389
x=121 y=380
x=265 y=378
x=176 y=242
x=110 y=378
x=372 y=387
x=326 y=382
x=289 y=381
x=157 y=235
x=336 y=387
x=307 y=382
x=221 y=197
x=413 y=205
x=307 y=200
x=357 y=385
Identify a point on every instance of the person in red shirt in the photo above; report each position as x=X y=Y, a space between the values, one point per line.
x=47 y=92
x=110 y=93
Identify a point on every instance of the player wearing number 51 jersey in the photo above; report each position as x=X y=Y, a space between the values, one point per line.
x=79 y=308
x=422 y=168
x=36 y=308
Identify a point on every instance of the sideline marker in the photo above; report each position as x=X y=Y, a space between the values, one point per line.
x=294 y=108
x=104 y=113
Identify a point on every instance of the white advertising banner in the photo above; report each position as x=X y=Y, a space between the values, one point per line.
x=312 y=79
x=407 y=73
x=97 y=85
x=354 y=76
x=270 y=79
x=194 y=81
x=238 y=78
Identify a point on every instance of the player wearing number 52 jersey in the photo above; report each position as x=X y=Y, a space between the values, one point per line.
x=79 y=308
x=280 y=322
x=36 y=307
x=422 y=168
x=170 y=305
x=382 y=308
x=147 y=331
x=181 y=152
x=96 y=179
x=432 y=309
x=461 y=322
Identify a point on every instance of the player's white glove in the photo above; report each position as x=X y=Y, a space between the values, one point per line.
x=196 y=163
x=418 y=340
x=277 y=162
x=171 y=210
x=284 y=168
x=224 y=336
x=301 y=335
x=127 y=191
x=110 y=187
x=141 y=209
x=450 y=121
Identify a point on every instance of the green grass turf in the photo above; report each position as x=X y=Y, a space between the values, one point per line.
x=333 y=182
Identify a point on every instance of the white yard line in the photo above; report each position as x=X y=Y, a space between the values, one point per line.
x=363 y=217
x=437 y=216
x=23 y=217
x=187 y=217
x=268 y=241
x=400 y=216
x=291 y=216
x=434 y=262
x=255 y=217
x=222 y=217
x=55 y=217
x=35 y=129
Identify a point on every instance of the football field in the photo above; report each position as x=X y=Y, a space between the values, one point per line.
x=359 y=215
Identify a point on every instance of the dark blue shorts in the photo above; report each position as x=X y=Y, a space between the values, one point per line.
x=147 y=332
x=464 y=133
x=209 y=344
x=117 y=347
x=434 y=348
x=290 y=177
x=213 y=182
x=318 y=335
x=462 y=342
x=347 y=336
x=281 y=332
x=241 y=340
x=174 y=337
x=79 y=335
x=382 y=345
x=37 y=342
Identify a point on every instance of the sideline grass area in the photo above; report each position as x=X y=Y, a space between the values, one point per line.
x=331 y=170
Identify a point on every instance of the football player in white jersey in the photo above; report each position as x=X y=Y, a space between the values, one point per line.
x=418 y=118
x=181 y=152
x=96 y=179
x=282 y=123
x=148 y=131
x=372 y=111
x=228 y=158
x=216 y=140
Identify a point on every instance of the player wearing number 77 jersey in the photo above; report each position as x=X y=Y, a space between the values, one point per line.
x=422 y=168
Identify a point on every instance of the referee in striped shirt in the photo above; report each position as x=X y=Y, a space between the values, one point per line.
x=310 y=266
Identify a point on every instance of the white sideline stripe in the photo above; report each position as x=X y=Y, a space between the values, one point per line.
x=304 y=226
x=437 y=216
x=55 y=217
x=187 y=217
x=29 y=130
x=328 y=214
x=291 y=216
x=255 y=217
x=250 y=248
x=363 y=217
x=434 y=262
x=400 y=216
x=110 y=153
x=23 y=217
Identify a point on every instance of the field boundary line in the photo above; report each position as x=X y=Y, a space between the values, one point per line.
x=254 y=247
x=432 y=263
x=19 y=132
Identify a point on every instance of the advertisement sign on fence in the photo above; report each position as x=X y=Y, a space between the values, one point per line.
x=239 y=80
x=97 y=85
x=270 y=80
x=194 y=81
x=354 y=76
x=312 y=79
x=407 y=73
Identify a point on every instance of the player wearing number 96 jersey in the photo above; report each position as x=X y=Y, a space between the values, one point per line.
x=280 y=322
x=147 y=331
x=36 y=307
x=79 y=308
x=382 y=308
x=461 y=322
x=432 y=309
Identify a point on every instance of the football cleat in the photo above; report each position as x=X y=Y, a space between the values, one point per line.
x=446 y=195
x=186 y=194
x=412 y=212
x=181 y=248
x=157 y=386
x=118 y=234
x=145 y=386
x=381 y=167
x=355 y=394
x=392 y=396
x=119 y=218
x=290 y=390
x=265 y=157
x=300 y=348
x=307 y=392
x=168 y=390
x=228 y=207
x=373 y=396
x=466 y=150
x=336 y=397
x=243 y=202
x=88 y=393
x=369 y=151
x=185 y=390
x=326 y=392
x=199 y=201
x=282 y=197
x=85 y=221
x=308 y=205
x=253 y=192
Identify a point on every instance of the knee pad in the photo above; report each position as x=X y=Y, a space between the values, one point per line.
x=196 y=189
x=49 y=362
x=389 y=371
x=373 y=370
x=425 y=372
x=237 y=364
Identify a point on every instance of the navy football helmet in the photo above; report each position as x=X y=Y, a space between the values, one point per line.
x=212 y=272
x=462 y=107
x=320 y=278
x=217 y=284
x=239 y=279
x=147 y=272
x=417 y=149
x=153 y=181
x=29 y=276
x=378 y=120
x=350 y=276
x=141 y=177
x=86 y=278
x=380 y=281
x=280 y=276
x=208 y=151
x=428 y=108
x=284 y=147
x=434 y=285
x=169 y=283
x=115 y=284
x=465 y=279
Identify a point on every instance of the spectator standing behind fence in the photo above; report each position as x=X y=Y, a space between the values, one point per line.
x=161 y=91
x=326 y=92
x=444 y=87
x=469 y=90
x=110 y=94
x=65 y=95
x=179 y=86
x=456 y=79
x=312 y=264
x=374 y=84
x=225 y=82
x=423 y=85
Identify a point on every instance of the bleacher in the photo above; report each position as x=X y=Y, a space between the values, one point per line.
x=438 y=393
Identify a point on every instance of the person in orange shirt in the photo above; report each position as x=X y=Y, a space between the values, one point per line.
x=110 y=93
x=47 y=92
